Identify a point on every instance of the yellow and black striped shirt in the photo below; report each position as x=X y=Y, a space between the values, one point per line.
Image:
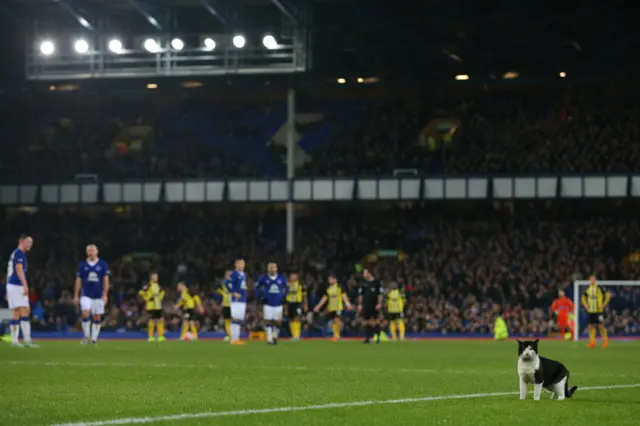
x=595 y=298
x=187 y=301
x=395 y=301
x=226 y=296
x=296 y=293
x=152 y=295
x=334 y=298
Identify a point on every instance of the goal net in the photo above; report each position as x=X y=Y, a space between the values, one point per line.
x=621 y=316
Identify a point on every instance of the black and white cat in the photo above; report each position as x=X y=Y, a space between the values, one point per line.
x=542 y=372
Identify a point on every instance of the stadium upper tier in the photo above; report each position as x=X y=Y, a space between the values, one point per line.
x=456 y=262
x=52 y=139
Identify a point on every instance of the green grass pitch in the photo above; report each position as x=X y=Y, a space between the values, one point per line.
x=309 y=383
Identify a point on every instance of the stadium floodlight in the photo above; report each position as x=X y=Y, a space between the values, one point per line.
x=462 y=77
x=341 y=81
x=115 y=46
x=239 y=41
x=177 y=44
x=562 y=74
x=270 y=42
x=81 y=46
x=84 y=23
x=360 y=80
x=47 y=47
x=209 y=43
x=151 y=45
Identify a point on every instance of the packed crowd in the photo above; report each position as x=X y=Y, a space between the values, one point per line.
x=459 y=271
x=590 y=129
x=587 y=130
x=56 y=139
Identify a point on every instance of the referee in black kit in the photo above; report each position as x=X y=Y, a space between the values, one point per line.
x=369 y=305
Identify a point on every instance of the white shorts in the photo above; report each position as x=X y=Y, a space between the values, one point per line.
x=273 y=313
x=16 y=297
x=95 y=306
x=238 y=310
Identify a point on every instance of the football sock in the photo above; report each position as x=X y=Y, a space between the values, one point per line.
x=298 y=325
x=336 y=329
x=376 y=331
x=185 y=328
x=269 y=333
x=95 y=331
x=161 y=329
x=603 y=333
x=368 y=332
x=227 y=327
x=15 y=331
x=86 y=328
x=25 y=325
x=150 y=328
x=276 y=331
x=592 y=335
x=235 y=331
x=194 y=329
x=392 y=329
x=401 y=328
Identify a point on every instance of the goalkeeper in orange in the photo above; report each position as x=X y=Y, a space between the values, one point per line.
x=562 y=307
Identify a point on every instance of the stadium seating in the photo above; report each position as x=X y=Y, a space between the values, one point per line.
x=459 y=269
x=462 y=262
x=512 y=131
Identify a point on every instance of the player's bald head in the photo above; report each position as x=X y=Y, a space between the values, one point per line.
x=92 y=251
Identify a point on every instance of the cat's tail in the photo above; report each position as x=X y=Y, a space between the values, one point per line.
x=568 y=392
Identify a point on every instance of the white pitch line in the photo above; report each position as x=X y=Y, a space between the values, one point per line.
x=209 y=414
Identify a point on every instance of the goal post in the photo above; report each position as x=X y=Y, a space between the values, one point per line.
x=579 y=288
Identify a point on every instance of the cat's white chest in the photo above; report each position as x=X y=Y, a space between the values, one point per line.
x=527 y=371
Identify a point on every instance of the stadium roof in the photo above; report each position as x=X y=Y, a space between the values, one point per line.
x=425 y=38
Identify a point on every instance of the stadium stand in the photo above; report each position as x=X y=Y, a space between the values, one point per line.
x=459 y=272
x=588 y=129
x=463 y=262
